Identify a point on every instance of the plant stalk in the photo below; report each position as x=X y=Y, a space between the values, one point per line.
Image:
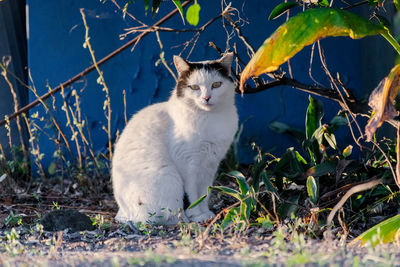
x=392 y=41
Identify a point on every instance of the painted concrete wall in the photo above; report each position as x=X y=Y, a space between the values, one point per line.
x=56 y=36
x=12 y=47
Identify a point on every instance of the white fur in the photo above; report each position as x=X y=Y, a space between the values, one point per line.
x=174 y=147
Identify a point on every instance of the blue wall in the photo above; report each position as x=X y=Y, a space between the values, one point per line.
x=56 y=36
x=13 y=46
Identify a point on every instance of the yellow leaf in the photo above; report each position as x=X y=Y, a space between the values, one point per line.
x=305 y=29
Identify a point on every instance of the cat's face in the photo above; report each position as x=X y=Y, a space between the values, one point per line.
x=206 y=83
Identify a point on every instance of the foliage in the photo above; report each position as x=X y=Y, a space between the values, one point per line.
x=192 y=13
x=387 y=231
x=281 y=9
x=294 y=185
x=305 y=29
x=302 y=184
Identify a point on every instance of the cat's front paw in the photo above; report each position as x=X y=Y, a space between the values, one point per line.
x=202 y=217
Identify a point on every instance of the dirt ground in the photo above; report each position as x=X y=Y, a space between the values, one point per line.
x=90 y=248
x=25 y=243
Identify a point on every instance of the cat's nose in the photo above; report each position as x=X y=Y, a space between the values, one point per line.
x=206 y=98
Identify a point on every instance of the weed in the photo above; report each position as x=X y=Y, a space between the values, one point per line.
x=13 y=246
x=13 y=220
x=100 y=223
x=152 y=259
x=55 y=206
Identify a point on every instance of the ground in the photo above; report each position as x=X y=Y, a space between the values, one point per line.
x=26 y=243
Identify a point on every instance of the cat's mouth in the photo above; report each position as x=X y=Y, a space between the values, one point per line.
x=207 y=104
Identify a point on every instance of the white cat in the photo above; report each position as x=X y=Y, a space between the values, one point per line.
x=172 y=149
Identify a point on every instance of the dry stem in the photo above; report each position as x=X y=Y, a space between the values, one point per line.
x=16 y=106
x=353 y=190
x=397 y=178
x=33 y=89
x=101 y=82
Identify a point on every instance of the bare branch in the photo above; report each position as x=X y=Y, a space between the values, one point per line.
x=89 y=69
x=350 y=6
x=353 y=190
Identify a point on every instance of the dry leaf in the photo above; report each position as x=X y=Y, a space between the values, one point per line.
x=381 y=101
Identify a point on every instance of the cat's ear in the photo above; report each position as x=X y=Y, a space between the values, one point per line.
x=180 y=64
x=226 y=61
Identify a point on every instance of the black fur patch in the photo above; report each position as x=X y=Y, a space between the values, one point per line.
x=183 y=76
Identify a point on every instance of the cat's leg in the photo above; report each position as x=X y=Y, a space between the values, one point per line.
x=154 y=197
x=196 y=187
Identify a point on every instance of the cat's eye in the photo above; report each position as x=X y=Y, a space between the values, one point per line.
x=194 y=87
x=216 y=84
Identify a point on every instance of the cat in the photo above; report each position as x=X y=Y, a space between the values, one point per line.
x=172 y=150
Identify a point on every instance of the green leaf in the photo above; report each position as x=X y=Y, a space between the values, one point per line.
x=299 y=158
x=302 y=30
x=146 y=5
x=383 y=21
x=245 y=210
x=268 y=183
x=192 y=14
x=373 y=2
x=385 y=232
x=282 y=128
x=314 y=129
x=178 y=5
x=52 y=168
x=291 y=164
x=331 y=139
x=397 y=4
x=347 y=151
x=318 y=135
x=312 y=189
x=241 y=180
x=230 y=217
x=256 y=171
x=337 y=121
x=323 y=3
x=280 y=9
x=289 y=208
x=315 y=112
x=265 y=222
x=197 y=202
x=155 y=6
x=322 y=169
x=125 y=9
x=227 y=191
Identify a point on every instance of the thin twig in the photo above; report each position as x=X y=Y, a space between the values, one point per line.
x=102 y=82
x=353 y=190
x=239 y=33
x=16 y=106
x=356 y=4
x=162 y=59
x=33 y=89
x=74 y=135
x=386 y=157
x=208 y=228
x=148 y=29
x=91 y=68
x=397 y=178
